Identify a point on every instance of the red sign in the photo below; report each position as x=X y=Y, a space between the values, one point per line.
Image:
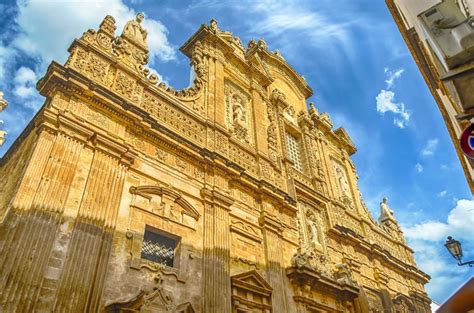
x=467 y=141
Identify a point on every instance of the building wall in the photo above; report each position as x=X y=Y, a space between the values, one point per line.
x=119 y=156
x=445 y=93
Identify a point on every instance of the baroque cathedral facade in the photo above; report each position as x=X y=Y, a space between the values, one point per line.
x=126 y=195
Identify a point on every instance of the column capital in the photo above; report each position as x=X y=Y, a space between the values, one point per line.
x=217 y=197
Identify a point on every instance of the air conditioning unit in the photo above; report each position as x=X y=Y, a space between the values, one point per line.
x=449 y=33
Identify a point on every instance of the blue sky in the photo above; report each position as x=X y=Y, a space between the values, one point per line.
x=351 y=54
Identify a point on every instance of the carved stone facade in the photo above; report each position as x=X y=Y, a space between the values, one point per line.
x=125 y=195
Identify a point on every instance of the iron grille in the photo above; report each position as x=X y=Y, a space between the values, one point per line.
x=158 y=248
x=294 y=152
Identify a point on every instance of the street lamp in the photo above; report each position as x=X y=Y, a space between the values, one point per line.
x=454 y=247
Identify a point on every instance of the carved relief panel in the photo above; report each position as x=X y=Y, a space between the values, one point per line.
x=238 y=113
x=375 y=302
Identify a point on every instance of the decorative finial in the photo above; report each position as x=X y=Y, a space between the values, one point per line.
x=3 y=102
x=108 y=25
x=134 y=30
x=278 y=54
x=3 y=105
x=3 y=135
x=252 y=43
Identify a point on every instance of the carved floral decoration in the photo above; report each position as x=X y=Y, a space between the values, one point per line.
x=130 y=49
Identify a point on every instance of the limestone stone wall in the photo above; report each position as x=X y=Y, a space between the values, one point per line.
x=256 y=192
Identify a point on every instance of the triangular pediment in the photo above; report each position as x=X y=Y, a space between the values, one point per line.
x=252 y=278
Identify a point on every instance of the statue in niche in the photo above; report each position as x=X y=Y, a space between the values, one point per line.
x=312 y=228
x=238 y=111
x=385 y=212
x=133 y=29
x=343 y=183
x=238 y=117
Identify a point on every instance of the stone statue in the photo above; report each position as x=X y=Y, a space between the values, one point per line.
x=134 y=30
x=238 y=112
x=385 y=211
x=313 y=233
x=343 y=183
x=213 y=25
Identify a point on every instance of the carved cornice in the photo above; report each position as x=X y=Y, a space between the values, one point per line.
x=59 y=122
x=304 y=276
x=375 y=250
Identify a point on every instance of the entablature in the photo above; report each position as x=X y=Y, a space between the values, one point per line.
x=373 y=249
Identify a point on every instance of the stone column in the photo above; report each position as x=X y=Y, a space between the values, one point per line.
x=216 y=254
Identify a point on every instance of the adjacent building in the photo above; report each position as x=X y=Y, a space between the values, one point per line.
x=440 y=36
x=126 y=195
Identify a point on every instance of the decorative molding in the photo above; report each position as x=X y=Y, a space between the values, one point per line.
x=246 y=230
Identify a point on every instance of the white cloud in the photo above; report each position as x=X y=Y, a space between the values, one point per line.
x=419 y=167
x=48 y=38
x=25 y=80
x=3 y=57
x=430 y=147
x=319 y=29
x=427 y=239
x=386 y=99
x=392 y=76
x=386 y=103
x=459 y=224
x=442 y=193
x=278 y=16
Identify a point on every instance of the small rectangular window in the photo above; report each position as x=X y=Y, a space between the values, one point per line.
x=294 y=151
x=159 y=246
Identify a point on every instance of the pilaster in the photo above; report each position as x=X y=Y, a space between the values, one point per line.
x=272 y=230
x=216 y=254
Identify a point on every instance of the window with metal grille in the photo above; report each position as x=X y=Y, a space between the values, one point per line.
x=294 y=151
x=159 y=247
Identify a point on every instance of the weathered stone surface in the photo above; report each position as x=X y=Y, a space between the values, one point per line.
x=115 y=158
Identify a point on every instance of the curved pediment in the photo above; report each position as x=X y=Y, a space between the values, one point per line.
x=283 y=70
x=170 y=204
